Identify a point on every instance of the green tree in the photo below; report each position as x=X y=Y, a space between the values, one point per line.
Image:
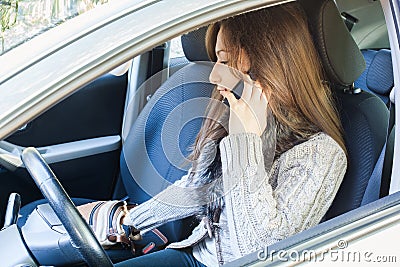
x=8 y=13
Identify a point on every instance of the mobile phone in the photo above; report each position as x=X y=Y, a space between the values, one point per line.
x=251 y=74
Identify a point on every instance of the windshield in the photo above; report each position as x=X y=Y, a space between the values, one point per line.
x=22 y=20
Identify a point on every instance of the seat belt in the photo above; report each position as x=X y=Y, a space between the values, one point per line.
x=157 y=72
x=388 y=161
x=378 y=183
x=372 y=192
x=349 y=20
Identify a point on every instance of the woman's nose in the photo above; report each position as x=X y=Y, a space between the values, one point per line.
x=215 y=77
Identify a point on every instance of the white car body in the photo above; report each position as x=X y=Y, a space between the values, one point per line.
x=50 y=67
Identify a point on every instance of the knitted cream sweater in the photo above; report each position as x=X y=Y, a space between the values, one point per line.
x=260 y=208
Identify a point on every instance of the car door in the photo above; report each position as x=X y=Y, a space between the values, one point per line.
x=80 y=139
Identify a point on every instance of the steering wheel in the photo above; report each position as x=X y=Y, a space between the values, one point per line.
x=81 y=235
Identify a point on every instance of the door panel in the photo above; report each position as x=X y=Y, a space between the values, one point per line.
x=79 y=137
x=94 y=111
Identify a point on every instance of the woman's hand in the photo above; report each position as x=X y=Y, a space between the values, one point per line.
x=130 y=231
x=249 y=113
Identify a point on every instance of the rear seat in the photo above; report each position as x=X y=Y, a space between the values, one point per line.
x=377 y=77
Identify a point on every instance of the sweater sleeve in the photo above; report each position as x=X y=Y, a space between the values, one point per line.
x=177 y=201
x=307 y=179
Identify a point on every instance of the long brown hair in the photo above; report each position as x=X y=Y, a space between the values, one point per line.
x=285 y=62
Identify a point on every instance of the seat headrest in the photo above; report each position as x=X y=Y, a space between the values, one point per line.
x=340 y=55
x=193 y=45
x=380 y=75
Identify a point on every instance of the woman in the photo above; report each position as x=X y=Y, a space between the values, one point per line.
x=276 y=169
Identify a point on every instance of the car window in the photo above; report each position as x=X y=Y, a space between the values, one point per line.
x=176 y=48
x=22 y=20
x=366 y=23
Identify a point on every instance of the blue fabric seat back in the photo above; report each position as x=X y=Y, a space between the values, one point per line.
x=377 y=77
x=155 y=152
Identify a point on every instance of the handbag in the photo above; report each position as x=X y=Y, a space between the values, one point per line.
x=105 y=219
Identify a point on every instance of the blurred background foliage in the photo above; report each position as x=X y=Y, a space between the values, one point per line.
x=21 y=20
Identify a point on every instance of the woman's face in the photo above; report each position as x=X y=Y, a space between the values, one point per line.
x=225 y=77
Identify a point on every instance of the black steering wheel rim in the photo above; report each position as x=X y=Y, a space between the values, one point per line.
x=81 y=235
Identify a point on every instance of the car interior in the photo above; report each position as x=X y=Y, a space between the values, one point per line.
x=120 y=123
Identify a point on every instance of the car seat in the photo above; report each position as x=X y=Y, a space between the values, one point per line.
x=155 y=150
x=363 y=115
x=377 y=77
